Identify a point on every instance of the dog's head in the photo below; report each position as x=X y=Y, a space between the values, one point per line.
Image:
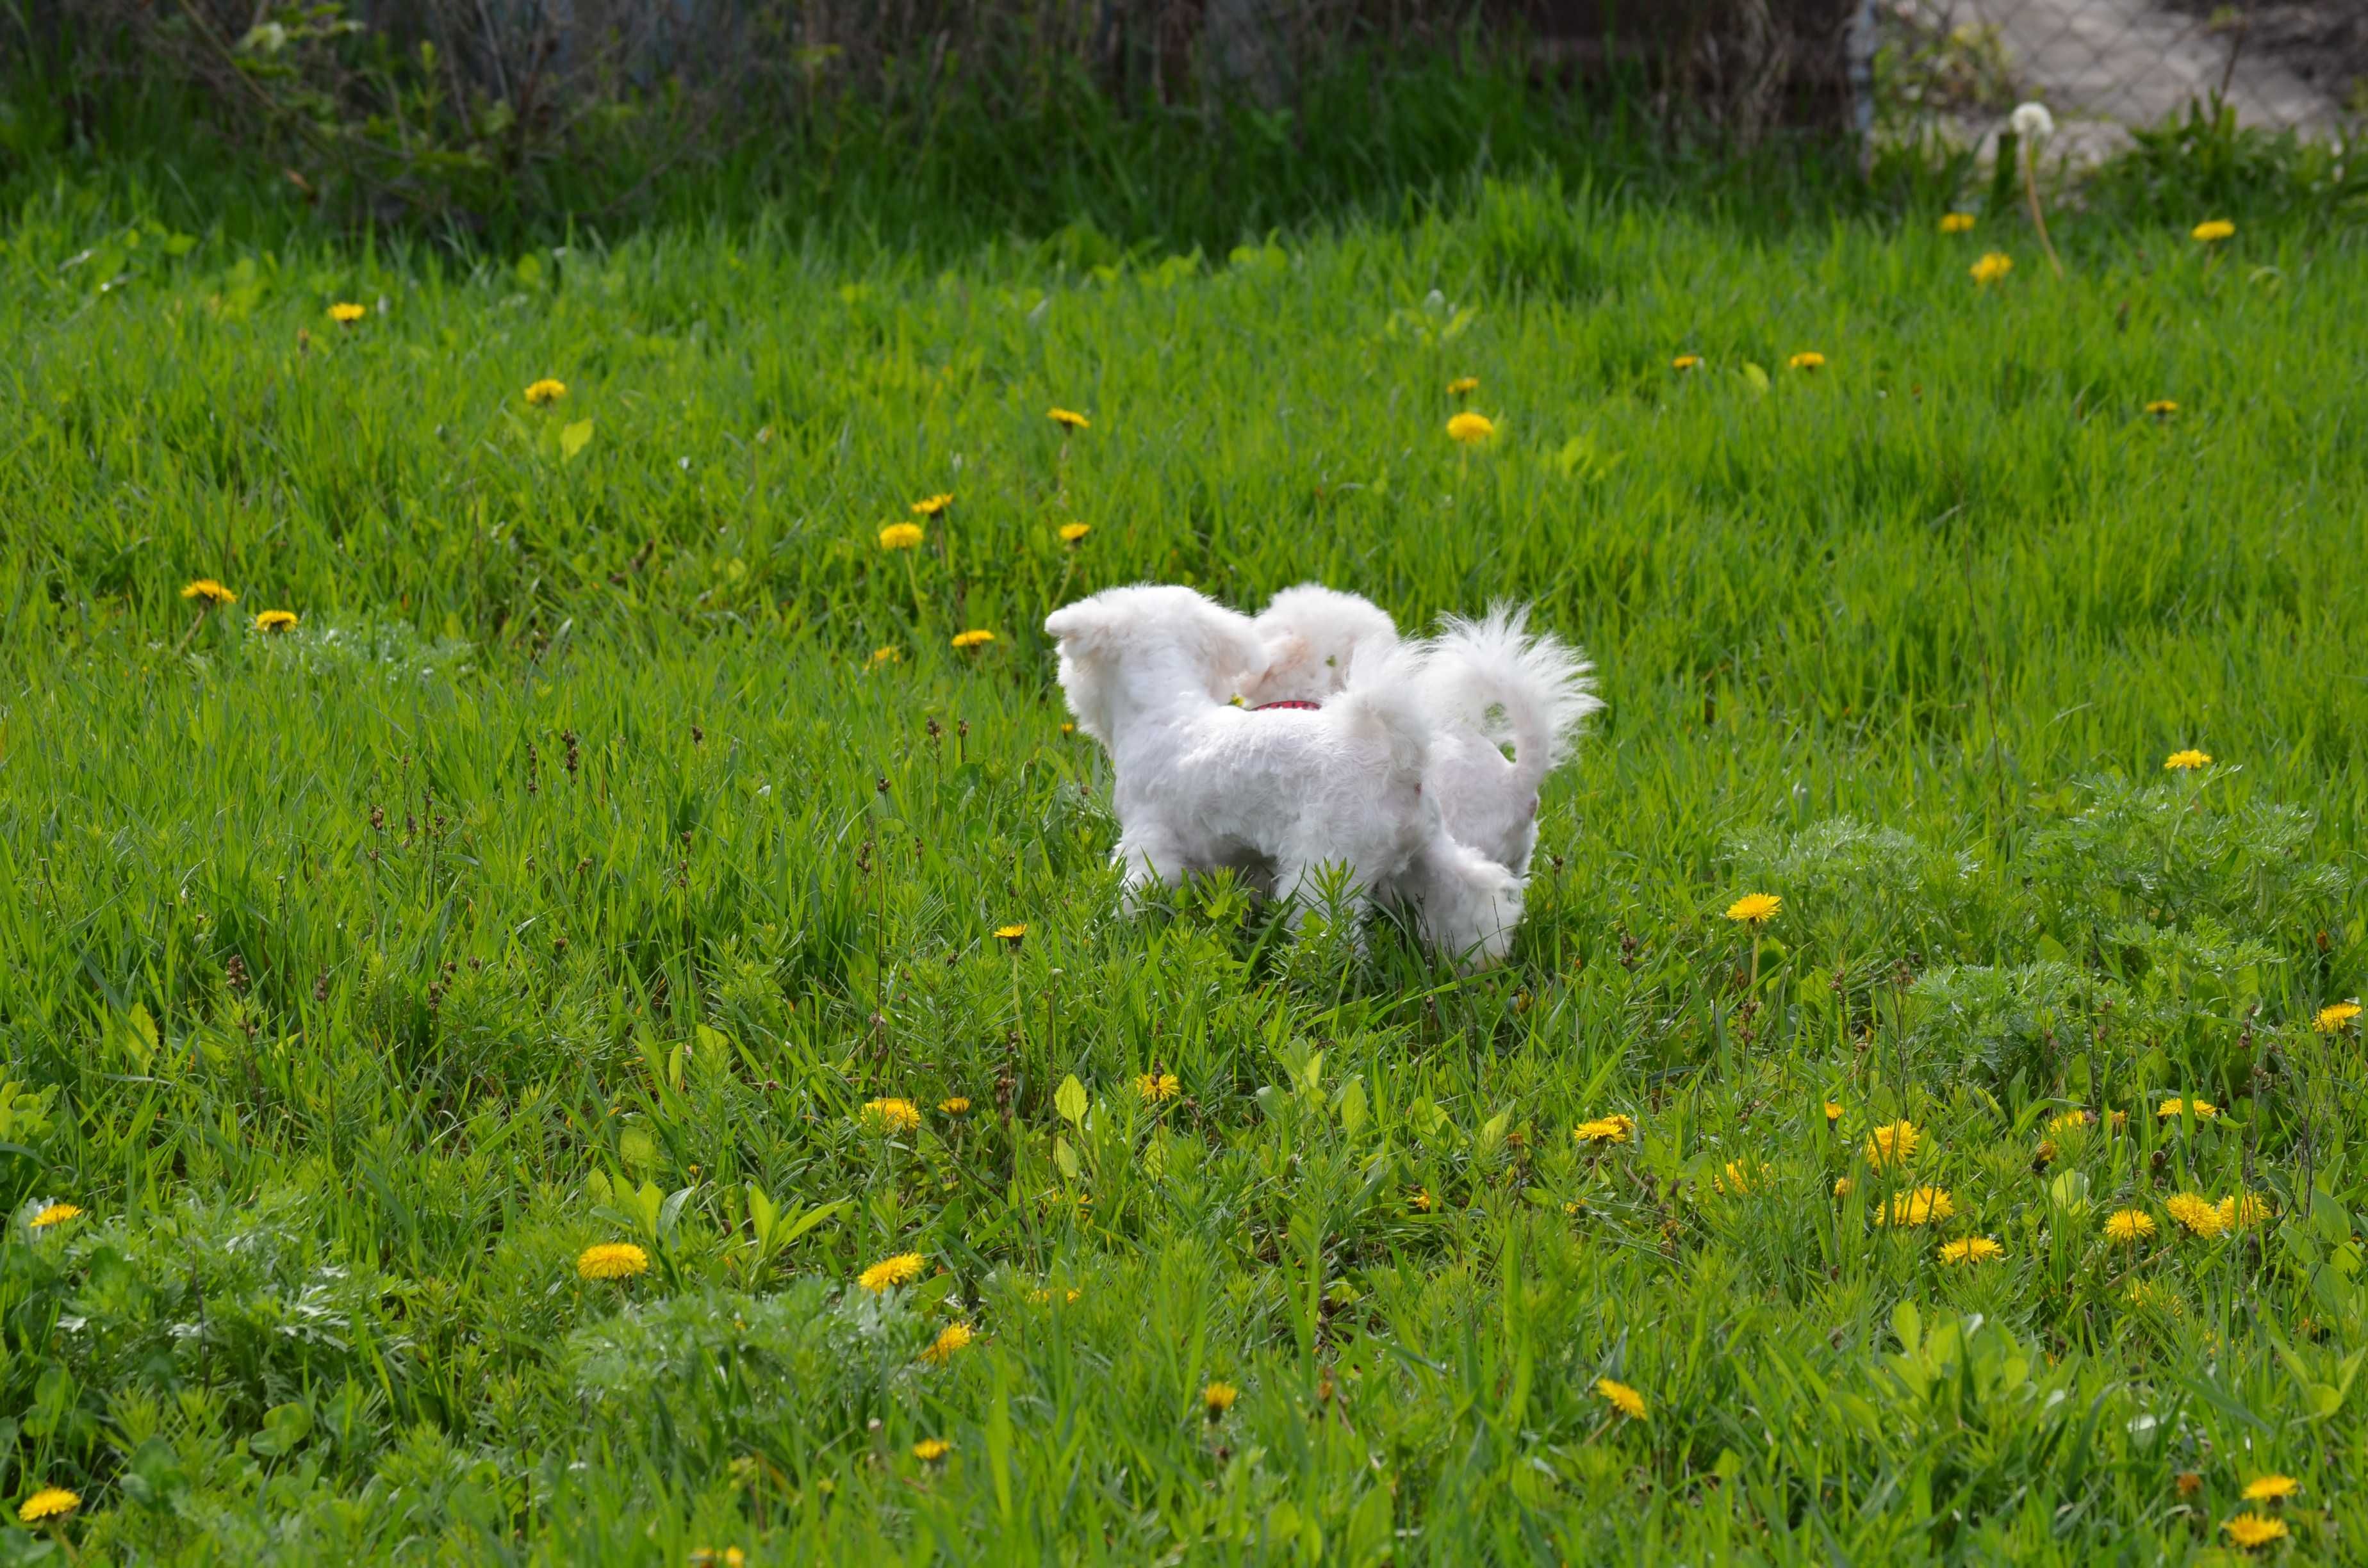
x=1148 y=643
x=1312 y=634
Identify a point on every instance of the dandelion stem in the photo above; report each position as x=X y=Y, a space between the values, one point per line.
x=913 y=581
x=204 y=609
x=2039 y=218
x=1019 y=1012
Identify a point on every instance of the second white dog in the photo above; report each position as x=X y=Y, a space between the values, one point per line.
x=1202 y=784
x=1484 y=686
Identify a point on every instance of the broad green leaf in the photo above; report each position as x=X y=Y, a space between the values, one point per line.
x=1069 y=1100
x=812 y=1217
x=1352 y=1107
x=284 y=1427
x=574 y=438
x=762 y=1214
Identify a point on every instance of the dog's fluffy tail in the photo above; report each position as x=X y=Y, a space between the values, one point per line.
x=1384 y=693
x=1493 y=675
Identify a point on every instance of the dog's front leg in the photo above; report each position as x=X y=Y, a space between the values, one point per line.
x=1148 y=860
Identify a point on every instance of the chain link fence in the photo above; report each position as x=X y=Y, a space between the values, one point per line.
x=1957 y=67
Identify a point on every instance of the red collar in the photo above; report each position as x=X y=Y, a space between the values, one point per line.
x=1310 y=707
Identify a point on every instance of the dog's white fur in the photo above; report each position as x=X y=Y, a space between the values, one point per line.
x=1482 y=684
x=1202 y=784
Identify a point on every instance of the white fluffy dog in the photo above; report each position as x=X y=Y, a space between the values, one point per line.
x=1201 y=783
x=1484 y=685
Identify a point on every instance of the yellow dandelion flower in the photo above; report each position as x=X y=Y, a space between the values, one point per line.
x=1892 y=1144
x=930 y=505
x=2334 y=1016
x=1620 y=1397
x=1011 y=935
x=612 y=1260
x=1973 y=1249
x=1067 y=420
x=892 y=1115
x=1072 y=532
x=900 y=536
x=2045 y=1153
x=2195 y=1213
x=2069 y=1121
x=211 y=592
x=2242 y=1213
x=953 y=1338
x=1921 y=1207
x=49 y=1502
x=930 y=1450
x=2250 y=1530
x=2187 y=1482
x=2162 y=408
x=544 y=392
x=2153 y=1296
x=1685 y=362
x=1807 y=360
x=1738 y=1178
x=902 y=1268
x=1842 y=1186
x=880 y=657
x=1218 y=1398
x=1956 y=222
x=2186 y=761
x=55 y=1214
x=2201 y=1110
x=1754 y=908
x=1155 y=1088
x=955 y=1104
x=1993 y=265
x=1605 y=1130
x=345 y=313
x=1471 y=428
x=1421 y=1201
x=1833 y=1112
x=2129 y=1226
x=2212 y=231
x=276 y=621
x=973 y=638
x=2271 y=1488
x=1462 y=386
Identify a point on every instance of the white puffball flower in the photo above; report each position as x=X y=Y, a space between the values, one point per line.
x=2032 y=122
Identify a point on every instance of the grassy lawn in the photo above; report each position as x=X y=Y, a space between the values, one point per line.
x=618 y=819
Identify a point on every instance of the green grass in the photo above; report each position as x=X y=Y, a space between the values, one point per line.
x=567 y=877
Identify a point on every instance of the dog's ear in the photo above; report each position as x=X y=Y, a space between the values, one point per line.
x=1231 y=646
x=1232 y=642
x=1080 y=628
x=1285 y=656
